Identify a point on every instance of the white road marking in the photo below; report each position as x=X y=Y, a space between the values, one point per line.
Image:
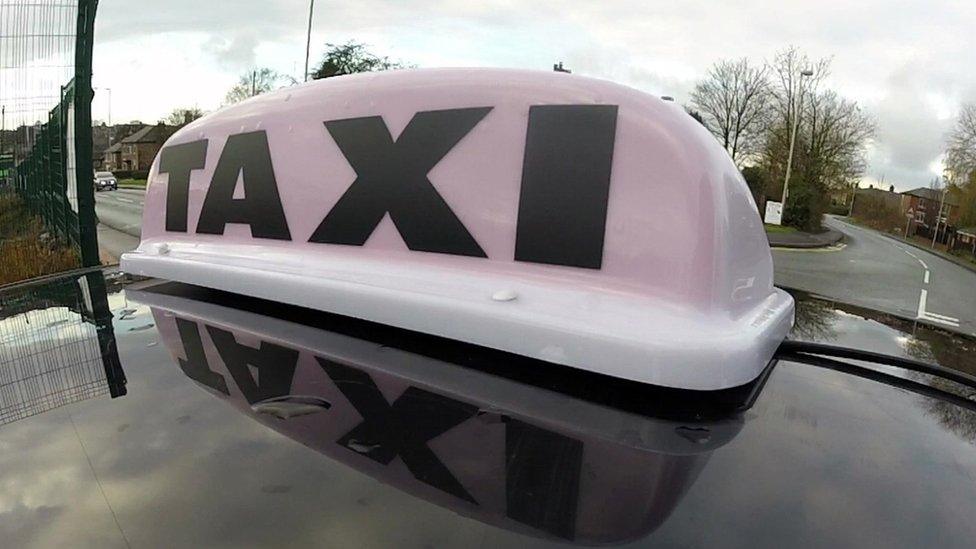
x=943 y=317
x=126 y=200
x=926 y=277
x=933 y=317
x=924 y=266
x=948 y=322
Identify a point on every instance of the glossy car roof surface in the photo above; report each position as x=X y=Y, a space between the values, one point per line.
x=822 y=458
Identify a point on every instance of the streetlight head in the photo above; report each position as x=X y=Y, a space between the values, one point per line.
x=806 y=72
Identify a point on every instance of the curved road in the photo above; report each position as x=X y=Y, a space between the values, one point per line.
x=878 y=272
x=870 y=270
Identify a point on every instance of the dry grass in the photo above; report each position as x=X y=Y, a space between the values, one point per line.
x=25 y=249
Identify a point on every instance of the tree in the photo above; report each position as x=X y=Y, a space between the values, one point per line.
x=733 y=101
x=838 y=132
x=256 y=82
x=961 y=163
x=696 y=115
x=831 y=139
x=351 y=58
x=182 y=116
x=961 y=147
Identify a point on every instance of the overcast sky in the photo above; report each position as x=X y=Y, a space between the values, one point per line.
x=909 y=63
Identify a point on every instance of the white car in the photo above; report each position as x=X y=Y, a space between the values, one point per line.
x=105 y=181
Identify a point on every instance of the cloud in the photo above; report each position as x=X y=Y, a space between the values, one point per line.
x=905 y=61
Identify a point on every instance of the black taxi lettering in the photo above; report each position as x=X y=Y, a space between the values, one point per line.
x=391 y=177
x=562 y=210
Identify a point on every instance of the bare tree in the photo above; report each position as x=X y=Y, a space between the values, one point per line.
x=256 y=82
x=351 y=58
x=831 y=139
x=733 y=100
x=182 y=115
x=788 y=84
x=961 y=146
x=838 y=133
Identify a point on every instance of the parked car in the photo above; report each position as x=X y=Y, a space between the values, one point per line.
x=105 y=181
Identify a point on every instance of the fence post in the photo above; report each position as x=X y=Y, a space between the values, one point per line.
x=87 y=235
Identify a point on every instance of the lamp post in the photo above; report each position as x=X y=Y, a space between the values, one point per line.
x=796 y=123
x=938 y=216
x=308 y=39
x=109 y=90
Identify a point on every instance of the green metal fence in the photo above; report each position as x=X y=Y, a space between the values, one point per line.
x=45 y=133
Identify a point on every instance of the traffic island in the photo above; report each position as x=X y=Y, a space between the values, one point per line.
x=786 y=237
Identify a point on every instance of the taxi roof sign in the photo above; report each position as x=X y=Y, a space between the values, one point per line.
x=555 y=216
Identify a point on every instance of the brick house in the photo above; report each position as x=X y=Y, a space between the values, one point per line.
x=965 y=240
x=140 y=149
x=106 y=137
x=923 y=203
x=136 y=151
x=112 y=158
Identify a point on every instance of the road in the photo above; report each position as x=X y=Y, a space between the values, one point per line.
x=120 y=220
x=878 y=272
x=870 y=269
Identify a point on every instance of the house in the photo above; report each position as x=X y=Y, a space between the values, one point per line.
x=105 y=137
x=965 y=240
x=112 y=158
x=923 y=205
x=135 y=152
x=871 y=197
x=140 y=149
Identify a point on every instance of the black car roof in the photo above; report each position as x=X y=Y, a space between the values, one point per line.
x=238 y=423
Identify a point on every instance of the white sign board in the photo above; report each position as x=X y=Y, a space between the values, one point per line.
x=774 y=213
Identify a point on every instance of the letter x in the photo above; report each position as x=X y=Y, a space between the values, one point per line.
x=392 y=178
x=401 y=429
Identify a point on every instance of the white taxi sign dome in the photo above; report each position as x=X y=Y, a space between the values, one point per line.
x=555 y=216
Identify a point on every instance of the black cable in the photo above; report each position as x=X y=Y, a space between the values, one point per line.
x=881 y=377
x=794 y=348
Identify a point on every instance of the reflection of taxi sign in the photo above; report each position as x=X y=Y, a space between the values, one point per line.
x=550 y=215
x=505 y=453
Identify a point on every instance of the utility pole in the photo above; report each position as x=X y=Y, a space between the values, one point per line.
x=850 y=213
x=308 y=39
x=796 y=123
x=254 y=75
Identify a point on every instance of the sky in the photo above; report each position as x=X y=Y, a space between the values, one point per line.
x=909 y=64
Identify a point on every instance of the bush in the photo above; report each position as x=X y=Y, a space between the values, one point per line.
x=838 y=209
x=131 y=174
x=26 y=249
x=878 y=214
x=804 y=208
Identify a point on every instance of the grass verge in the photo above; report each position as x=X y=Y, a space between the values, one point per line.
x=132 y=183
x=27 y=250
x=775 y=229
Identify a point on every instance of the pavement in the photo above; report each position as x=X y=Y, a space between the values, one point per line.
x=866 y=268
x=829 y=237
x=871 y=270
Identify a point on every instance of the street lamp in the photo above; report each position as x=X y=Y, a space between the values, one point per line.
x=109 y=90
x=938 y=217
x=308 y=39
x=796 y=122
